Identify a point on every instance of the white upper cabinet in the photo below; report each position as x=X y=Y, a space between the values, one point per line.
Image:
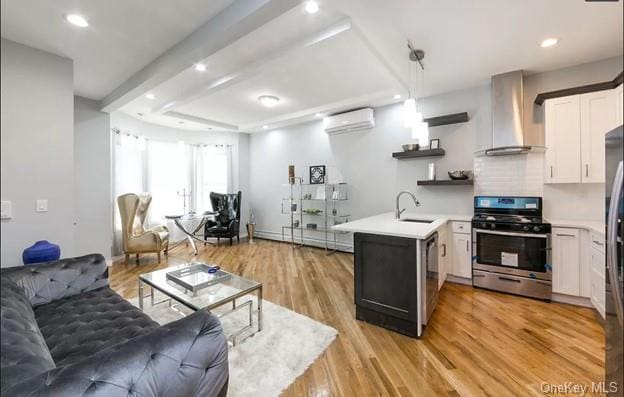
x=598 y=116
x=563 y=140
x=619 y=105
x=574 y=129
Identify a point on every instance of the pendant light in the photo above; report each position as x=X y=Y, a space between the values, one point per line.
x=413 y=118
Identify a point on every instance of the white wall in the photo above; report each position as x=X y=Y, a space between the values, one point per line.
x=92 y=178
x=364 y=159
x=37 y=161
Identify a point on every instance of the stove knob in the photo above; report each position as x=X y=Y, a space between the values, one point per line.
x=493 y=226
x=536 y=228
x=526 y=228
x=483 y=225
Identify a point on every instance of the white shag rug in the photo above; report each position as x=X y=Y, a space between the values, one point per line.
x=266 y=363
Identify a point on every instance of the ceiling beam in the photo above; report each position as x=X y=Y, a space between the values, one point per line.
x=237 y=20
x=201 y=120
x=254 y=68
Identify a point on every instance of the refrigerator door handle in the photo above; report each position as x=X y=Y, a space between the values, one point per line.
x=612 y=246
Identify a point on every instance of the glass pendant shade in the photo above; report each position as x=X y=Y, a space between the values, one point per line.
x=420 y=132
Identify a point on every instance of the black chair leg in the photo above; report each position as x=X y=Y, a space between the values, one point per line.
x=237 y=238
x=230 y=241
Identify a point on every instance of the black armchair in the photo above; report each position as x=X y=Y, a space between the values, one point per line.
x=227 y=221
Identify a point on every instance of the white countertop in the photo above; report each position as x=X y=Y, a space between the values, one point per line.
x=387 y=224
x=592 y=226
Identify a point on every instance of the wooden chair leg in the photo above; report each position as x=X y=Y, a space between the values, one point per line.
x=127 y=258
x=137 y=259
x=158 y=257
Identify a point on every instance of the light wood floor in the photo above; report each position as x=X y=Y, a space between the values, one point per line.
x=479 y=343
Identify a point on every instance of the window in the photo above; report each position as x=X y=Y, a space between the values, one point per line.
x=168 y=171
x=213 y=174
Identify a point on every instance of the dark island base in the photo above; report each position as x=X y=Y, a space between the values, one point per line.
x=385 y=321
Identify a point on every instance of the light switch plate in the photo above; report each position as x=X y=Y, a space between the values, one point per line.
x=6 y=211
x=42 y=206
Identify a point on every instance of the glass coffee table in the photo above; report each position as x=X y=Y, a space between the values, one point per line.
x=225 y=291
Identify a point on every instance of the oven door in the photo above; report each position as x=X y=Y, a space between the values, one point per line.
x=520 y=254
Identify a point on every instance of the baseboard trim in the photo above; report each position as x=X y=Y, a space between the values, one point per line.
x=458 y=280
x=572 y=300
x=308 y=241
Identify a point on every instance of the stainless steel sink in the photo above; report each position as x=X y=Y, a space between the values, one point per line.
x=415 y=220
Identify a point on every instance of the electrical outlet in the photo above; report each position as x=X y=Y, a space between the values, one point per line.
x=6 y=211
x=42 y=206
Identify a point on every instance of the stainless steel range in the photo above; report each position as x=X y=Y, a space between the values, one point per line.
x=511 y=249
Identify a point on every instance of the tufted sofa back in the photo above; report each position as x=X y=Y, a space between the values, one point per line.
x=24 y=351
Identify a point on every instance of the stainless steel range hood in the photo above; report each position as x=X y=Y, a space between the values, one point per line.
x=507 y=112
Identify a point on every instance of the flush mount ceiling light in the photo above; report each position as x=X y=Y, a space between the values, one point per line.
x=150 y=96
x=265 y=127
x=549 y=42
x=311 y=7
x=268 y=100
x=200 y=67
x=76 y=20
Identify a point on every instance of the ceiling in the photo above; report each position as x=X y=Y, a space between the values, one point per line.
x=122 y=37
x=352 y=53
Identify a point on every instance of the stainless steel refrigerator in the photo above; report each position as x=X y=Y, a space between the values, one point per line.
x=614 y=303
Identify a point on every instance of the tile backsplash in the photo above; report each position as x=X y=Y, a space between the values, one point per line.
x=516 y=175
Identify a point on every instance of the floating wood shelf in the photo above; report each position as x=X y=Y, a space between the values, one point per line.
x=584 y=89
x=446 y=182
x=447 y=119
x=418 y=153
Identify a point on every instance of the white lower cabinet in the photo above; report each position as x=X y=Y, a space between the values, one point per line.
x=597 y=273
x=566 y=264
x=462 y=258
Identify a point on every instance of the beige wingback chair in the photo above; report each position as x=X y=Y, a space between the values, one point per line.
x=136 y=239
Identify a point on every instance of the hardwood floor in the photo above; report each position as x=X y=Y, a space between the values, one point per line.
x=479 y=343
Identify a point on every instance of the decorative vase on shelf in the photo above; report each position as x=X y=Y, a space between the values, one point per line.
x=291 y=174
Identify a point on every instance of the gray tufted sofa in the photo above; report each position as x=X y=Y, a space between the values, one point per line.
x=66 y=333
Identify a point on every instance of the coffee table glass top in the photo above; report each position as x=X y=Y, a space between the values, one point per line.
x=206 y=298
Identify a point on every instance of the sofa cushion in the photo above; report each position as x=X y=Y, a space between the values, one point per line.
x=80 y=326
x=24 y=351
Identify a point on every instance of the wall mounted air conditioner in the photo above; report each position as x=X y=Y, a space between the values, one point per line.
x=350 y=121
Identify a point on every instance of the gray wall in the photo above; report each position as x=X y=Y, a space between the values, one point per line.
x=92 y=178
x=37 y=162
x=364 y=159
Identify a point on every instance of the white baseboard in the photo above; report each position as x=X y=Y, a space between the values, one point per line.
x=458 y=280
x=572 y=300
x=267 y=235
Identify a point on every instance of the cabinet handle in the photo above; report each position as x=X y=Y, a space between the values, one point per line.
x=444 y=250
x=598 y=243
x=565 y=235
x=467 y=249
x=551 y=171
x=586 y=169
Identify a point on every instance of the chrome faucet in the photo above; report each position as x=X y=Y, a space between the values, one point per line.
x=398 y=212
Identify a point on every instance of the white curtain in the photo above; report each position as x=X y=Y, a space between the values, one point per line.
x=129 y=174
x=214 y=174
x=179 y=176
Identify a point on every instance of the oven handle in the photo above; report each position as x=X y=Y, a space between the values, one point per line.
x=511 y=233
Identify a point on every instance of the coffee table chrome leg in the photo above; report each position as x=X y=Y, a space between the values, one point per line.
x=140 y=295
x=192 y=242
x=152 y=296
x=260 y=309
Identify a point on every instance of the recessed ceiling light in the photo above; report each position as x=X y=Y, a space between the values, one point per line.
x=150 y=96
x=549 y=42
x=77 y=20
x=268 y=100
x=200 y=67
x=180 y=122
x=140 y=114
x=265 y=127
x=318 y=115
x=311 y=7
x=397 y=96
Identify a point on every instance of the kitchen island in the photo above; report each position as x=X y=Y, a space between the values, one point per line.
x=396 y=269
